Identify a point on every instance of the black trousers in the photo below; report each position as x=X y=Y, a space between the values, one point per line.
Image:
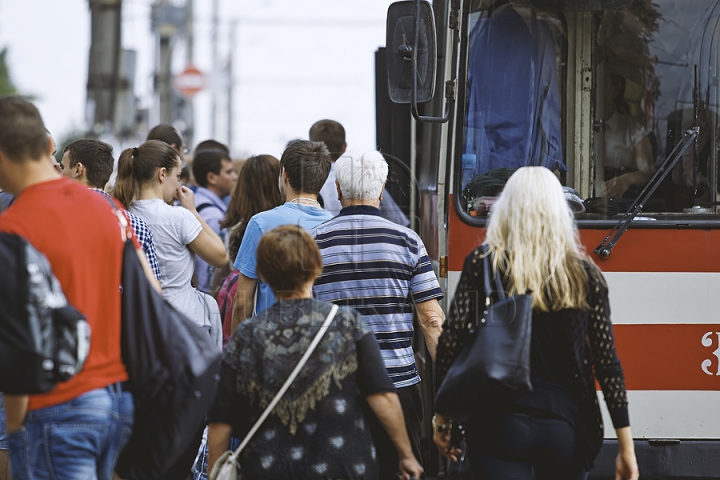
x=386 y=453
x=517 y=446
x=183 y=465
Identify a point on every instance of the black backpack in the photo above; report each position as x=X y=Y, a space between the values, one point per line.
x=172 y=367
x=43 y=339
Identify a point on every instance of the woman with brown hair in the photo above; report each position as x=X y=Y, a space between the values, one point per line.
x=256 y=190
x=147 y=184
x=318 y=429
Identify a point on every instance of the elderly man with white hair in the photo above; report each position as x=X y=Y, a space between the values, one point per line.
x=380 y=269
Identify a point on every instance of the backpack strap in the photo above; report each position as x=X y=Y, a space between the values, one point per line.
x=203 y=206
x=123 y=220
x=231 y=283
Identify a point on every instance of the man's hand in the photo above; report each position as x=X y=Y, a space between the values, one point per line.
x=410 y=468
x=431 y=318
x=617 y=186
x=16 y=410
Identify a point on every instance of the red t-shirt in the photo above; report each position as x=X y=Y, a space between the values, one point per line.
x=80 y=235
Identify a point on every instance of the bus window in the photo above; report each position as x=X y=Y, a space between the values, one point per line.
x=655 y=69
x=513 y=95
x=654 y=76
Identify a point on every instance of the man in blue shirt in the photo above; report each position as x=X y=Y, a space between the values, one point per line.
x=304 y=167
x=216 y=178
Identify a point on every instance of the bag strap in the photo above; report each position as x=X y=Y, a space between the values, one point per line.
x=487 y=268
x=255 y=298
x=122 y=219
x=231 y=283
x=287 y=384
x=203 y=206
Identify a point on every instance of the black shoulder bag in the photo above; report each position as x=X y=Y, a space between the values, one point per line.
x=494 y=363
x=172 y=366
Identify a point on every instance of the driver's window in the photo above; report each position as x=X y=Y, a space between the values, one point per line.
x=654 y=65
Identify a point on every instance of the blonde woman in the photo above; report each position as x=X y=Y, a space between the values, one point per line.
x=554 y=432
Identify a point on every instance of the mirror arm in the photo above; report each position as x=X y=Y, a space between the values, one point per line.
x=449 y=85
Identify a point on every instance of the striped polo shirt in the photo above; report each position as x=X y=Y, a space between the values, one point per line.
x=378 y=268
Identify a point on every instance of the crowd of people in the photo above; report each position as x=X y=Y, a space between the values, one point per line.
x=257 y=258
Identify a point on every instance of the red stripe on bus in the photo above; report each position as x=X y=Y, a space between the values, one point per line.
x=639 y=250
x=669 y=357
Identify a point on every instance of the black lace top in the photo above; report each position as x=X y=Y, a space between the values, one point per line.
x=569 y=349
x=318 y=430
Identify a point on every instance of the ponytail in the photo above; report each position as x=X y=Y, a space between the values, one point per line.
x=138 y=165
x=126 y=185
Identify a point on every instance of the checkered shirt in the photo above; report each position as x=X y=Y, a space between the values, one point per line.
x=144 y=237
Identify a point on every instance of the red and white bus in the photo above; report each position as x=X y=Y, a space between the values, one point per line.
x=599 y=91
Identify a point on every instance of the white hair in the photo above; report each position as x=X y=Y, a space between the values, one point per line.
x=535 y=241
x=361 y=174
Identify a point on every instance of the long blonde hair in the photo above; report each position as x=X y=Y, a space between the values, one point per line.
x=535 y=243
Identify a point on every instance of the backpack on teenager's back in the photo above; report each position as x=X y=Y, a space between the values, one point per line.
x=43 y=339
x=225 y=298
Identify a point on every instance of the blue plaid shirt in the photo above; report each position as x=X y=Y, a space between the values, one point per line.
x=144 y=237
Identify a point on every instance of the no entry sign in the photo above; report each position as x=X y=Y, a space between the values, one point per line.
x=189 y=82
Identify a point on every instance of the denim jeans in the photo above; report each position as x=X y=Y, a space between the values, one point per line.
x=3 y=428
x=78 y=439
x=516 y=446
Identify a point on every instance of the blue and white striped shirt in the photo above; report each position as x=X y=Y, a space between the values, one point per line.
x=378 y=268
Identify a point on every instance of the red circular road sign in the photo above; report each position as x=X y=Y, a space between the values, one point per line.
x=189 y=82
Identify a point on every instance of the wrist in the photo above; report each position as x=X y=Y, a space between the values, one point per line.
x=405 y=454
x=440 y=425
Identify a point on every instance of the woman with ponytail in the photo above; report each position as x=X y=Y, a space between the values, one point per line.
x=148 y=184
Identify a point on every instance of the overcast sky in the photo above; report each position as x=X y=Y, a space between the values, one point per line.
x=296 y=61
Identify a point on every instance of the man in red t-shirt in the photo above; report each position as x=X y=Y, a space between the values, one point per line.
x=78 y=429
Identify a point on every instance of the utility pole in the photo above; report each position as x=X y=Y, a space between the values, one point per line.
x=167 y=21
x=230 y=86
x=213 y=82
x=189 y=32
x=104 y=64
x=189 y=60
x=163 y=76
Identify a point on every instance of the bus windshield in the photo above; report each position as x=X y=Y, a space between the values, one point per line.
x=653 y=68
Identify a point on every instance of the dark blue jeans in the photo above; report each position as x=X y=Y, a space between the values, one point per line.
x=3 y=430
x=516 y=446
x=78 y=439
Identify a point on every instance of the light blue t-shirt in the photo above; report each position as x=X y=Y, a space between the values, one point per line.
x=287 y=214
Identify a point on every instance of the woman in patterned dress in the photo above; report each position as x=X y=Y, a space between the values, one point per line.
x=318 y=430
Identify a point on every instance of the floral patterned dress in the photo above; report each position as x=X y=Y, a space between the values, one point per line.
x=319 y=429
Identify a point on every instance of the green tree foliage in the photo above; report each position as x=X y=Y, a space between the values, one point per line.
x=67 y=140
x=6 y=84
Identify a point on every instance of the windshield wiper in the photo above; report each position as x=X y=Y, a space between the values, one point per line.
x=605 y=248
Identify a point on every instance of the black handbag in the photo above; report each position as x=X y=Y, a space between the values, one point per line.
x=494 y=363
x=172 y=367
x=43 y=339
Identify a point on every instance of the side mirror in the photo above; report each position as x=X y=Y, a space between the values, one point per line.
x=411 y=54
